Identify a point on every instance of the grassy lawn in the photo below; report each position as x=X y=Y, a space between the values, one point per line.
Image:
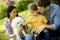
x=2 y=30
x=3 y=35
x=25 y=14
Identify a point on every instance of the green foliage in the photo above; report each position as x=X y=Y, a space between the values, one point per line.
x=3 y=35
x=57 y=2
x=24 y=14
x=23 y=5
x=2 y=21
x=2 y=11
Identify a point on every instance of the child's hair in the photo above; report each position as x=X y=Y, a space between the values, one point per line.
x=32 y=6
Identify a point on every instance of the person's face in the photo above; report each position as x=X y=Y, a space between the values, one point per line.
x=13 y=13
x=41 y=9
x=34 y=12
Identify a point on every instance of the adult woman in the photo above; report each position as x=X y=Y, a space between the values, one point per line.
x=11 y=14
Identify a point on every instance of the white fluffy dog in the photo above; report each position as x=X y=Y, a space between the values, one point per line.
x=17 y=23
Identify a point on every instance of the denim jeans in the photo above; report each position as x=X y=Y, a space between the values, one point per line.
x=44 y=35
x=28 y=37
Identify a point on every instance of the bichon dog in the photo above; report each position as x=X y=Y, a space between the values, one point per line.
x=17 y=24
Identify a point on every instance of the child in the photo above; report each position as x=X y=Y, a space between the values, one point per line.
x=36 y=19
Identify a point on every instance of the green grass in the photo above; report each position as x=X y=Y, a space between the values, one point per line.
x=2 y=21
x=3 y=35
x=25 y=14
x=2 y=30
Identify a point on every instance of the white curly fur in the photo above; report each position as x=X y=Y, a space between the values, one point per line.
x=16 y=24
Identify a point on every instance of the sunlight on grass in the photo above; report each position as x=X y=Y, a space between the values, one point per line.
x=2 y=21
x=25 y=14
x=2 y=30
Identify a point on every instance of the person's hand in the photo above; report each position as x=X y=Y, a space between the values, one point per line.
x=40 y=29
x=45 y=25
x=49 y=27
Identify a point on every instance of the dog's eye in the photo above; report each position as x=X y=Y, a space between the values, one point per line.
x=17 y=22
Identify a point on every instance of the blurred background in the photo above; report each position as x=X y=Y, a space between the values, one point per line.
x=22 y=8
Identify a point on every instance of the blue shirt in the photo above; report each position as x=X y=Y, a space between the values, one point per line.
x=54 y=16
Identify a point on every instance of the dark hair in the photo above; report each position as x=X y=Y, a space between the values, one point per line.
x=9 y=9
x=43 y=3
x=32 y=6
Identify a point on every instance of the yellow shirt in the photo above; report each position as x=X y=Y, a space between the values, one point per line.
x=37 y=22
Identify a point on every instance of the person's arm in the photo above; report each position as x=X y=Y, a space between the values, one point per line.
x=50 y=27
x=12 y=35
x=40 y=29
x=8 y=31
x=56 y=21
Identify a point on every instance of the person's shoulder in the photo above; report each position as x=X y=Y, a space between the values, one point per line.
x=7 y=20
x=54 y=5
x=6 y=23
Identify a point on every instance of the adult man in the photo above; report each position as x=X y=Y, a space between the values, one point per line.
x=52 y=13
